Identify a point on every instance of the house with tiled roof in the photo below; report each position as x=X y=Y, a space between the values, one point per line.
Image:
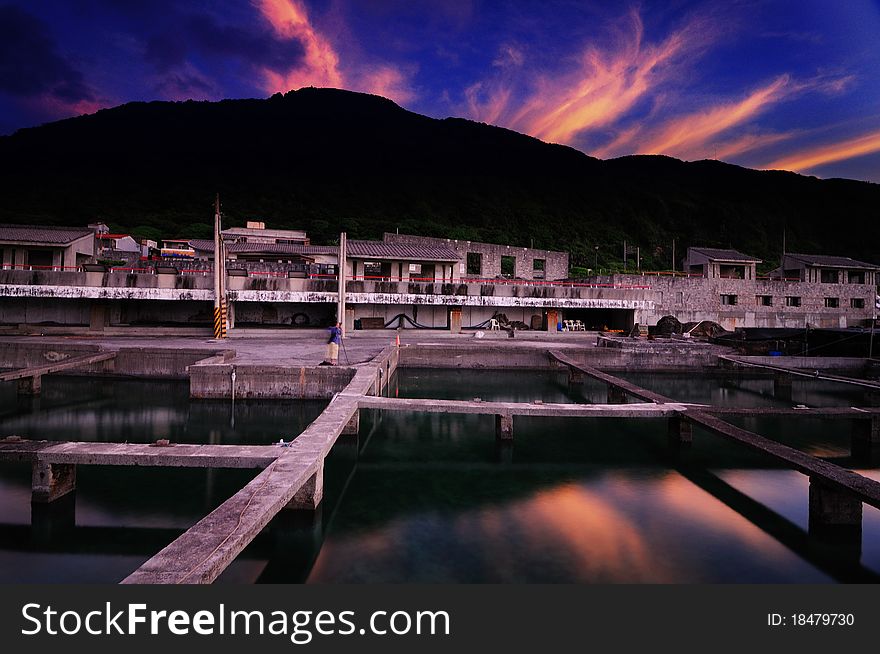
x=717 y=263
x=828 y=269
x=43 y=247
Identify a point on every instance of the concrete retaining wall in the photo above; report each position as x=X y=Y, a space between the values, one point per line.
x=512 y=358
x=156 y=363
x=215 y=381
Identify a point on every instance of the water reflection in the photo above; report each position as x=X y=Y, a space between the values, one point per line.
x=121 y=516
x=433 y=498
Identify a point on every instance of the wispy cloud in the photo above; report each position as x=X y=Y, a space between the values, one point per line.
x=813 y=157
x=321 y=63
x=712 y=131
x=694 y=135
x=604 y=85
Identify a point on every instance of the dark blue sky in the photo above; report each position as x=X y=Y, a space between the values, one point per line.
x=761 y=83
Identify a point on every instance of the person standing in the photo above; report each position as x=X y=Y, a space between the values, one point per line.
x=333 y=344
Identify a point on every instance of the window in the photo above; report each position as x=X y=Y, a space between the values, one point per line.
x=41 y=258
x=832 y=302
x=679 y=297
x=764 y=300
x=829 y=276
x=857 y=303
x=792 y=301
x=415 y=269
x=372 y=269
x=508 y=266
x=538 y=266
x=728 y=300
x=474 y=263
x=856 y=277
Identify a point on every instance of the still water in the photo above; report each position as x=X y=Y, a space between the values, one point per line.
x=433 y=498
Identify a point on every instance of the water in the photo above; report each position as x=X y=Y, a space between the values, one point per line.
x=123 y=515
x=434 y=498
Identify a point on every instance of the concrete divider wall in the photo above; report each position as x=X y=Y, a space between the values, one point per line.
x=162 y=363
x=157 y=363
x=215 y=381
x=489 y=357
x=853 y=364
x=16 y=355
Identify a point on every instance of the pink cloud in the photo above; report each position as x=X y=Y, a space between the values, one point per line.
x=321 y=64
x=810 y=158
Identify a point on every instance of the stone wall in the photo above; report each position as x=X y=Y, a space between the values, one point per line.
x=555 y=263
x=698 y=298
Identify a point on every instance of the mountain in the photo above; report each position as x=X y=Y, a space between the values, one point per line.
x=326 y=160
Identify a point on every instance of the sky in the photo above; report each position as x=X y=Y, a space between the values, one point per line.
x=770 y=84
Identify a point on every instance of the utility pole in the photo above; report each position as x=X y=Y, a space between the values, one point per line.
x=624 y=255
x=343 y=252
x=673 y=255
x=219 y=275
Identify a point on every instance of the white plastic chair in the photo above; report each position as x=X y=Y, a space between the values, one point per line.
x=494 y=325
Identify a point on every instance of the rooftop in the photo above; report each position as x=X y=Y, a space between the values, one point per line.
x=205 y=245
x=42 y=234
x=725 y=255
x=401 y=251
x=831 y=261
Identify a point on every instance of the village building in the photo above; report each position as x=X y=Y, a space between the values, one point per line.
x=35 y=247
x=414 y=282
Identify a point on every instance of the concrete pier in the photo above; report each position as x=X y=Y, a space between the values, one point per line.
x=782 y=386
x=50 y=481
x=310 y=494
x=30 y=379
x=503 y=426
x=616 y=395
x=679 y=431
x=294 y=480
x=352 y=427
x=834 y=514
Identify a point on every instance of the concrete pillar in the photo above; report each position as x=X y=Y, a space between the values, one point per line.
x=679 y=431
x=49 y=481
x=782 y=386
x=616 y=395
x=230 y=312
x=309 y=496
x=97 y=316
x=30 y=385
x=455 y=320
x=353 y=425
x=834 y=513
x=575 y=376
x=349 y=320
x=504 y=426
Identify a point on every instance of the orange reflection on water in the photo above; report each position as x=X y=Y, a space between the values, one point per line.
x=572 y=532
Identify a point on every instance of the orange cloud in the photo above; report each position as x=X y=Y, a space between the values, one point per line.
x=321 y=65
x=830 y=153
x=700 y=135
x=692 y=136
x=603 y=87
x=606 y=86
